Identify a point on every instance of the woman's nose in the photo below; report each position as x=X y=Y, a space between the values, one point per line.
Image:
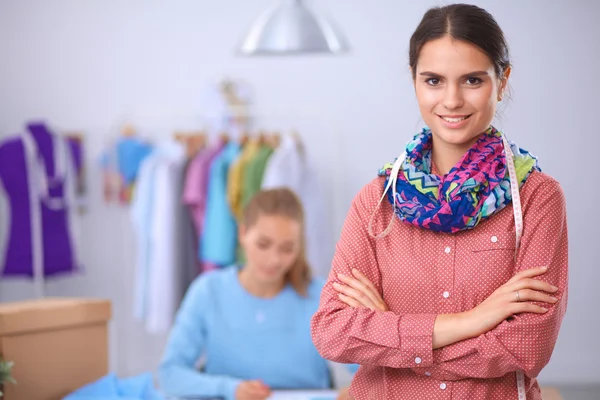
x=453 y=98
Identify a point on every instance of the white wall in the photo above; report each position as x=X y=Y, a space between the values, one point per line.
x=83 y=64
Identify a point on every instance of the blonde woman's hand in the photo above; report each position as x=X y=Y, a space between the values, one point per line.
x=358 y=291
x=252 y=390
x=343 y=394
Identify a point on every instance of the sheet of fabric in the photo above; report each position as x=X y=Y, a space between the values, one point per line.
x=111 y=387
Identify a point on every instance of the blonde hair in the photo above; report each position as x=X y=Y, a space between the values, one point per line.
x=282 y=202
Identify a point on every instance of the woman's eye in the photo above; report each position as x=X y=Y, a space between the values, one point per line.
x=287 y=250
x=263 y=246
x=473 y=81
x=433 y=81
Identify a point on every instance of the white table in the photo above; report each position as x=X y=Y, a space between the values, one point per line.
x=304 y=395
x=281 y=395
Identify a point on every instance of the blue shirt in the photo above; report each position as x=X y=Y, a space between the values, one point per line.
x=243 y=337
x=130 y=154
x=219 y=239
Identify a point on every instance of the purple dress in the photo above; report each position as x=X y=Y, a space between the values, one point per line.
x=38 y=174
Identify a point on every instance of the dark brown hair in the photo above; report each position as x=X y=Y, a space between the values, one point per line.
x=464 y=22
x=282 y=202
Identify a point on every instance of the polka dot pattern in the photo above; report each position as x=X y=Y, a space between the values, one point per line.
x=422 y=274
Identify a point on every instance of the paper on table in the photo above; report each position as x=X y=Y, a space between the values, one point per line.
x=304 y=395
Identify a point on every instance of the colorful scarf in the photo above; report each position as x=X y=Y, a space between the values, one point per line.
x=476 y=188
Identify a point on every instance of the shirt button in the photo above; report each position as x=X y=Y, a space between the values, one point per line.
x=494 y=239
x=418 y=360
x=447 y=250
x=446 y=295
x=428 y=373
x=443 y=386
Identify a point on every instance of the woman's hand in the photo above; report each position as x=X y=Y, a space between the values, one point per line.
x=514 y=297
x=343 y=394
x=252 y=390
x=358 y=291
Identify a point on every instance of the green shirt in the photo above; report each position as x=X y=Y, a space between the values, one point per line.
x=253 y=173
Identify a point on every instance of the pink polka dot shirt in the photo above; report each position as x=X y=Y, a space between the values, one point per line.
x=421 y=274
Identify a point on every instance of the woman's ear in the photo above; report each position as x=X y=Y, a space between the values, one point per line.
x=241 y=232
x=504 y=83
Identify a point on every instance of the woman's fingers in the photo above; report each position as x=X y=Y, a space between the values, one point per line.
x=530 y=295
x=532 y=284
x=349 y=301
x=519 y=308
x=360 y=287
x=355 y=294
x=528 y=273
x=363 y=278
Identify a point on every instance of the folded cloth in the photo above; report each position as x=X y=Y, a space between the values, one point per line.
x=110 y=387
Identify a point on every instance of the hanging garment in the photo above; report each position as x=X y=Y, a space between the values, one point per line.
x=164 y=258
x=236 y=178
x=288 y=167
x=120 y=164
x=253 y=173
x=165 y=276
x=38 y=178
x=219 y=240
x=196 y=184
x=131 y=151
x=189 y=241
x=142 y=204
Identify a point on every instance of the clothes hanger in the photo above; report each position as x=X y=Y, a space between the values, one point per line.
x=244 y=137
x=224 y=137
x=128 y=130
x=196 y=142
x=294 y=134
x=192 y=141
x=275 y=140
x=262 y=137
x=238 y=107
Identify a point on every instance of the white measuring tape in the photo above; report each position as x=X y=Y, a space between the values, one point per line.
x=518 y=213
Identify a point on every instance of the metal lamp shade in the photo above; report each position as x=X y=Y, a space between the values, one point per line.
x=290 y=28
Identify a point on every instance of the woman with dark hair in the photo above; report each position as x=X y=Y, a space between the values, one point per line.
x=455 y=287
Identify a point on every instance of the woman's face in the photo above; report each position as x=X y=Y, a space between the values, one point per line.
x=272 y=245
x=457 y=90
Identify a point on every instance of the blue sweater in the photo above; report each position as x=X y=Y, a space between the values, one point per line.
x=242 y=337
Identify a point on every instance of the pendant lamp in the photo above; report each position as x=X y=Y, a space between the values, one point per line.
x=291 y=28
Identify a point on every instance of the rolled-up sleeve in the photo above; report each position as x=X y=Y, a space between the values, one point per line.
x=358 y=335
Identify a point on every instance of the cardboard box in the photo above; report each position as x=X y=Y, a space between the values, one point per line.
x=57 y=344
